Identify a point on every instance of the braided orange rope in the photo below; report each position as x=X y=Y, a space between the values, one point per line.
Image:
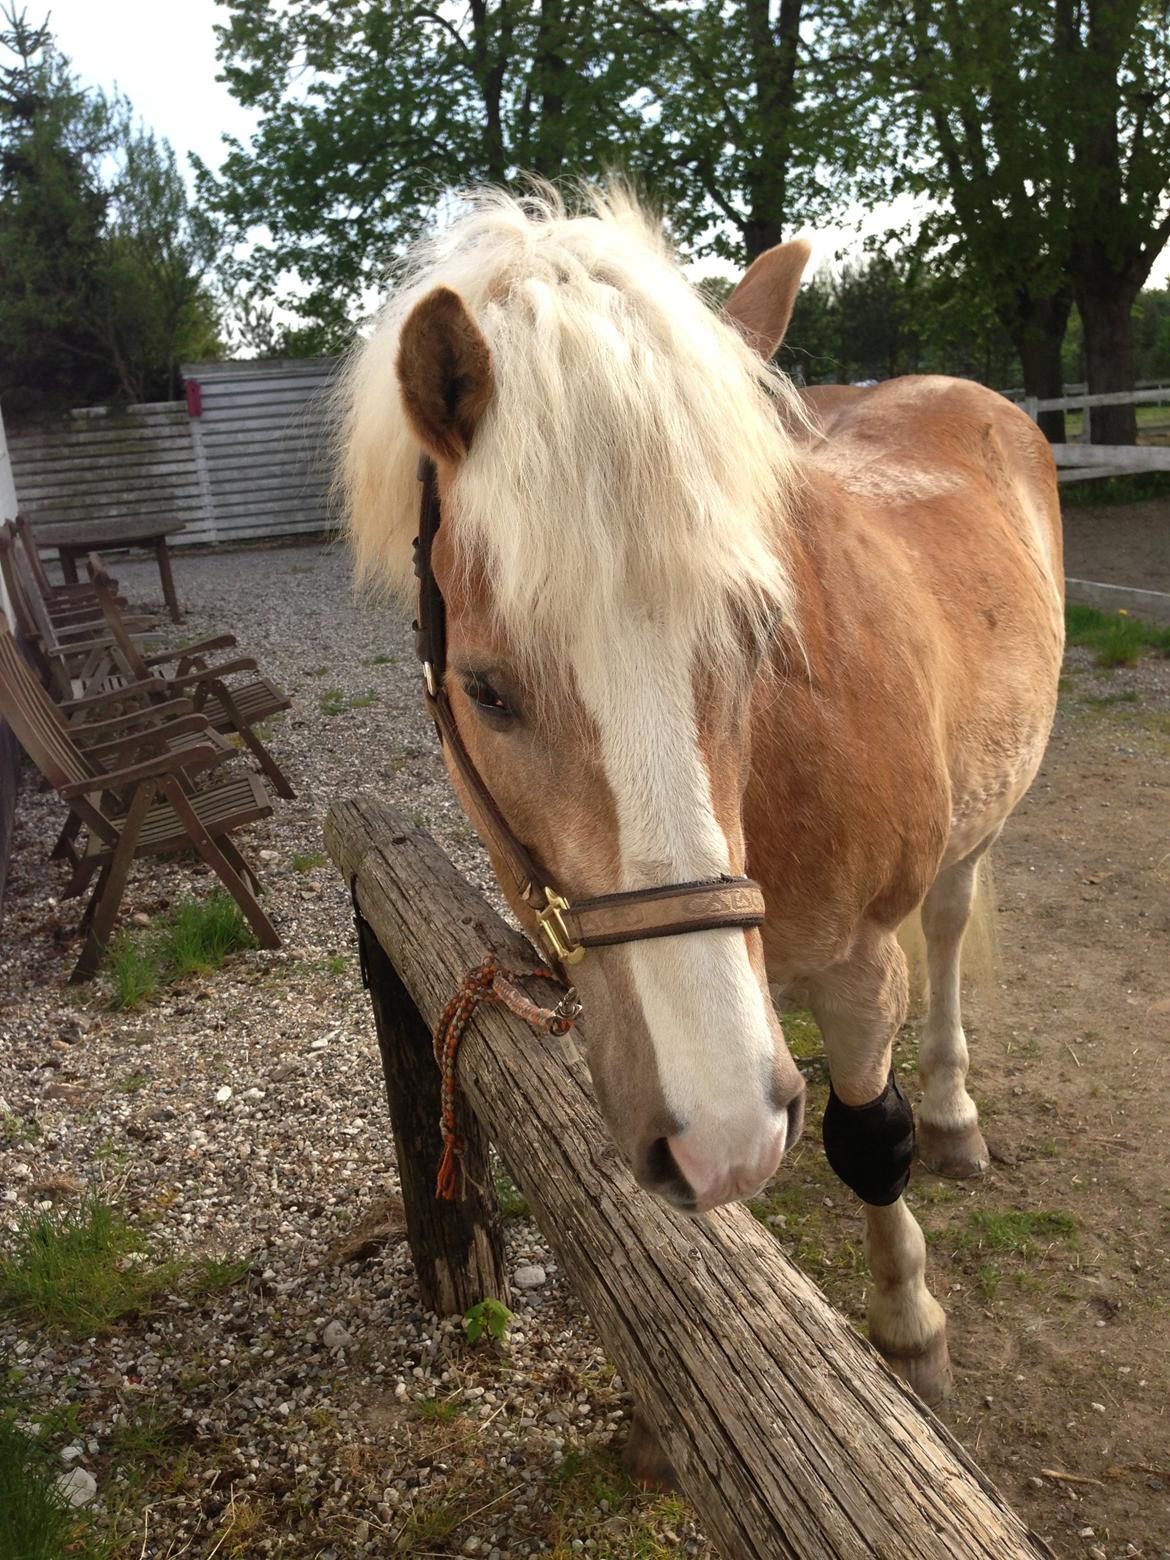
x=488 y=982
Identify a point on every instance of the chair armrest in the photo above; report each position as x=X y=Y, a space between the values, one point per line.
x=149 y=769
x=151 y=737
x=220 y=642
x=132 y=690
x=244 y=663
x=152 y=713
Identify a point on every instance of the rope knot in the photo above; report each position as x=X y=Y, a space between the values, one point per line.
x=487 y=982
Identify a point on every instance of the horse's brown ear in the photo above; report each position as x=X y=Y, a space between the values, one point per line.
x=761 y=305
x=444 y=372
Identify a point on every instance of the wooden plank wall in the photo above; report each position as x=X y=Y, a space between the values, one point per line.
x=98 y=463
x=263 y=440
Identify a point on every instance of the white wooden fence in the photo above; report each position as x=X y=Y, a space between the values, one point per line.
x=245 y=456
x=1080 y=461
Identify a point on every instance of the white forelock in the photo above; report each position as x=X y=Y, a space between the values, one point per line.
x=631 y=460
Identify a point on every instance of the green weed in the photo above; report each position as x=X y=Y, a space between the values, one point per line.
x=512 y=1201
x=490 y=1316
x=36 y=1522
x=80 y=1268
x=306 y=861
x=1022 y=1234
x=193 y=939
x=1117 y=637
x=439 y=1410
x=384 y=660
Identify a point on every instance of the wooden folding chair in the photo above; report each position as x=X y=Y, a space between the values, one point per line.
x=139 y=810
x=60 y=600
x=228 y=707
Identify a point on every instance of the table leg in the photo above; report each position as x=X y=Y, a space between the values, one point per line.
x=68 y=565
x=168 y=581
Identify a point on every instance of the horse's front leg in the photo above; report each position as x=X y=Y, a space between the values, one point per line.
x=869 y=1139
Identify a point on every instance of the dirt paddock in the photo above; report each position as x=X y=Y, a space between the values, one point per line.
x=304 y=1407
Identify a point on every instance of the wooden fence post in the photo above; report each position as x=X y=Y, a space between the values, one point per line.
x=458 y=1247
x=788 y=1433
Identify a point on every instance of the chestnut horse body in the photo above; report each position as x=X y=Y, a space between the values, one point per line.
x=698 y=624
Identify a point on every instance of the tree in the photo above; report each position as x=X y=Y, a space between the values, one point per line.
x=1041 y=130
x=745 y=119
x=102 y=260
x=52 y=213
x=369 y=112
x=153 y=304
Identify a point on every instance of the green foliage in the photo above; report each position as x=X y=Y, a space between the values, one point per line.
x=1020 y=1233
x=80 y=1269
x=36 y=1522
x=367 y=113
x=103 y=260
x=1129 y=489
x=307 y=861
x=1118 y=638
x=192 y=939
x=490 y=1316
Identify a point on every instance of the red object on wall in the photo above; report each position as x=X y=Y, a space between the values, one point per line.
x=194 y=398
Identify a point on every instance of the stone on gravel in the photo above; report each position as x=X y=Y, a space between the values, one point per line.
x=336 y=1336
x=530 y=1275
x=223 y=1094
x=77 y=1486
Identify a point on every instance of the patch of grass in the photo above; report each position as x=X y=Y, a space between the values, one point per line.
x=210 y=1275
x=36 y=1522
x=631 y=1518
x=1117 y=638
x=1020 y=1233
x=442 y=1411
x=134 y=972
x=80 y=1268
x=17 y=1129
x=306 y=861
x=1117 y=490
x=335 y=701
x=512 y=1201
x=193 y=939
x=384 y=660
x=337 y=963
x=132 y=1083
x=801 y=1035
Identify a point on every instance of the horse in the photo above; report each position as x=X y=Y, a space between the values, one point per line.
x=697 y=622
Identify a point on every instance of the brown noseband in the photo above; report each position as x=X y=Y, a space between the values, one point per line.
x=567 y=928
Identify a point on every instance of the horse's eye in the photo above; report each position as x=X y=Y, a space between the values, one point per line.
x=485 y=697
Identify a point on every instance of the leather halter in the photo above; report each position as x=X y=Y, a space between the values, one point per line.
x=567 y=928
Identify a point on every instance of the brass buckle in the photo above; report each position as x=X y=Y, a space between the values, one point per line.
x=551 y=921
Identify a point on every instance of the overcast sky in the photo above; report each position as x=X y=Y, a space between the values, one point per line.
x=162 y=55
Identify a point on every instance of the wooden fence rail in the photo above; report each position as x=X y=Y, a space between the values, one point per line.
x=786 y=1430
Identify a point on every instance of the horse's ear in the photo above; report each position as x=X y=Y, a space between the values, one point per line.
x=761 y=305
x=444 y=372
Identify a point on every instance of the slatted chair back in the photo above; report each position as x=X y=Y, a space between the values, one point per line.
x=133 y=662
x=27 y=542
x=26 y=623
x=41 y=731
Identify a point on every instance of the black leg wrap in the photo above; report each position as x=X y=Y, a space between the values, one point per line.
x=871 y=1147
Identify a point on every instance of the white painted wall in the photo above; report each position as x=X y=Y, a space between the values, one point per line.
x=8 y=504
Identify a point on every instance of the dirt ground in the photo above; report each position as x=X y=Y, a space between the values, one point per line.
x=1119 y=544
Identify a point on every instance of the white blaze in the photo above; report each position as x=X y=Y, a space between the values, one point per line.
x=702 y=1003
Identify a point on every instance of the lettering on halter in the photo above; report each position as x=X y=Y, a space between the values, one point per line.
x=871 y=1147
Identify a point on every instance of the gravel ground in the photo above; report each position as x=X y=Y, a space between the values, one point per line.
x=302 y=1404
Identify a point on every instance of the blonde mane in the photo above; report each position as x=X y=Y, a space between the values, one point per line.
x=631 y=460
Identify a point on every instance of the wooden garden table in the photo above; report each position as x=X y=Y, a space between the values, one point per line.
x=73 y=541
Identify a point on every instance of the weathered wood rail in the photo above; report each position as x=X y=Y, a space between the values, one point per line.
x=786 y=1430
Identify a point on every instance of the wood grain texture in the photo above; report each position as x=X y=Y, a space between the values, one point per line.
x=786 y=1430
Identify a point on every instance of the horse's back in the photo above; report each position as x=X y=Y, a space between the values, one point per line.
x=923 y=452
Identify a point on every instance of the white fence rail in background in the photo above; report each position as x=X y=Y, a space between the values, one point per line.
x=246 y=456
x=1082 y=460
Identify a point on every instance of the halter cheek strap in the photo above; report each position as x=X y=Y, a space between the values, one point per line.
x=568 y=928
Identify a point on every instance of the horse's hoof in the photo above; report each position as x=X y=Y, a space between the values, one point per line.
x=928 y=1371
x=959 y=1153
x=645 y=1461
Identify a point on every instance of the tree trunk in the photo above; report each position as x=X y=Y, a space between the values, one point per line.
x=774 y=55
x=1106 y=316
x=1040 y=344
